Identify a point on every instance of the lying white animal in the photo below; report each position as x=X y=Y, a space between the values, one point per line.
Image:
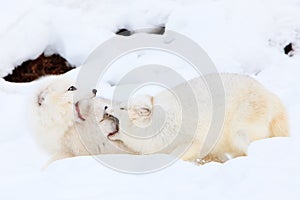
x=251 y=113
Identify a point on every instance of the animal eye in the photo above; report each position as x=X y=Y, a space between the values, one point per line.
x=72 y=88
x=105 y=116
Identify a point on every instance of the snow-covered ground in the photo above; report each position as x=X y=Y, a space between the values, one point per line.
x=240 y=36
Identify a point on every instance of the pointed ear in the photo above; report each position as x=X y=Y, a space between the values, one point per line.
x=144 y=111
x=143 y=105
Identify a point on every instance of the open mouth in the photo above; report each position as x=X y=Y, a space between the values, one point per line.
x=113 y=133
x=116 y=121
x=79 y=115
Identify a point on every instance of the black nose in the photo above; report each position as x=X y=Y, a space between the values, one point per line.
x=94 y=91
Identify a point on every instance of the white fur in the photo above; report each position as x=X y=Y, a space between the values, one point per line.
x=251 y=113
x=60 y=132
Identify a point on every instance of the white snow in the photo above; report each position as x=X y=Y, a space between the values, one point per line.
x=240 y=36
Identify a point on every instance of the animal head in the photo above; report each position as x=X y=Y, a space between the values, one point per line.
x=55 y=111
x=56 y=102
x=135 y=116
x=96 y=111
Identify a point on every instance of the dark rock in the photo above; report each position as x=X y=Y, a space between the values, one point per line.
x=43 y=65
x=288 y=49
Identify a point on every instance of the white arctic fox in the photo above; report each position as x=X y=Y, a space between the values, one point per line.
x=64 y=127
x=158 y=124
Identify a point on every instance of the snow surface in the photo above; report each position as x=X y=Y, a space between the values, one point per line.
x=240 y=36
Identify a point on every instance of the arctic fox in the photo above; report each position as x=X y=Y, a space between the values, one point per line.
x=65 y=127
x=156 y=124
